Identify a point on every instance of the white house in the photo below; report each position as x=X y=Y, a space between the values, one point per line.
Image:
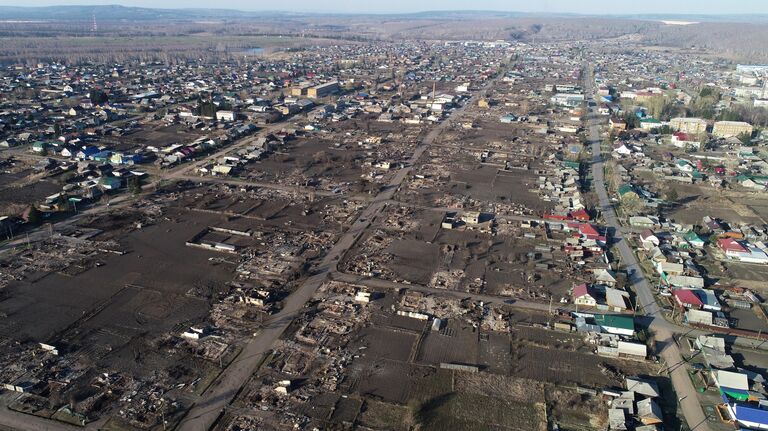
x=583 y=296
x=225 y=116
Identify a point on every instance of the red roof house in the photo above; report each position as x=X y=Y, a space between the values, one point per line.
x=687 y=299
x=648 y=236
x=580 y=215
x=582 y=295
x=730 y=244
x=588 y=231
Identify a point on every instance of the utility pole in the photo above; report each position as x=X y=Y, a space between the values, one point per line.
x=434 y=94
x=162 y=414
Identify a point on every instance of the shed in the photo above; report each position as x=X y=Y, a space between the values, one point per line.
x=708 y=299
x=729 y=380
x=642 y=387
x=751 y=417
x=649 y=412
x=685 y=281
x=635 y=350
x=617 y=420
x=694 y=239
x=700 y=317
x=615 y=298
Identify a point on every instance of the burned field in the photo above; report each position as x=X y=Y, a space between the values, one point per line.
x=478 y=180
x=158 y=135
x=353 y=160
x=39 y=190
x=153 y=300
x=697 y=200
x=110 y=319
x=412 y=245
x=155 y=263
x=393 y=368
x=270 y=208
x=308 y=162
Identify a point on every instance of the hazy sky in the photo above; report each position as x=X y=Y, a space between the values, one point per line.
x=577 y=6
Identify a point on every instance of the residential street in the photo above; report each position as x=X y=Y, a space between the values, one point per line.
x=663 y=330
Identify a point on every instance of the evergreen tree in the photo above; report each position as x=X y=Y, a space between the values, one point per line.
x=34 y=216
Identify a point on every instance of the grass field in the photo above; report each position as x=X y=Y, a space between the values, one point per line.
x=108 y=46
x=380 y=415
x=467 y=411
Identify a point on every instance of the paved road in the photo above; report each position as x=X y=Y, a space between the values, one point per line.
x=205 y=413
x=662 y=329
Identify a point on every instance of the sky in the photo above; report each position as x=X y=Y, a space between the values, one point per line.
x=712 y=7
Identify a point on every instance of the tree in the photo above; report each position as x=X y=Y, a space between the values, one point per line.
x=34 y=216
x=62 y=203
x=672 y=195
x=631 y=120
x=730 y=116
x=703 y=105
x=745 y=138
x=656 y=105
x=134 y=185
x=631 y=204
x=612 y=175
x=706 y=92
x=207 y=109
x=98 y=97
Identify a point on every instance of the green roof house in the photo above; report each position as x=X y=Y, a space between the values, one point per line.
x=39 y=146
x=616 y=324
x=110 y=183
x=693 y=239
x=571 y=164
x=649 y=123
x=627 y=190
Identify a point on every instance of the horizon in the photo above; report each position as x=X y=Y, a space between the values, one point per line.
x=344 y=7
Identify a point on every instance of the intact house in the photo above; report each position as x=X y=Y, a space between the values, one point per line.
x=683 y=140
x=742 y=251
x=583 y=295
x=687 y=299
